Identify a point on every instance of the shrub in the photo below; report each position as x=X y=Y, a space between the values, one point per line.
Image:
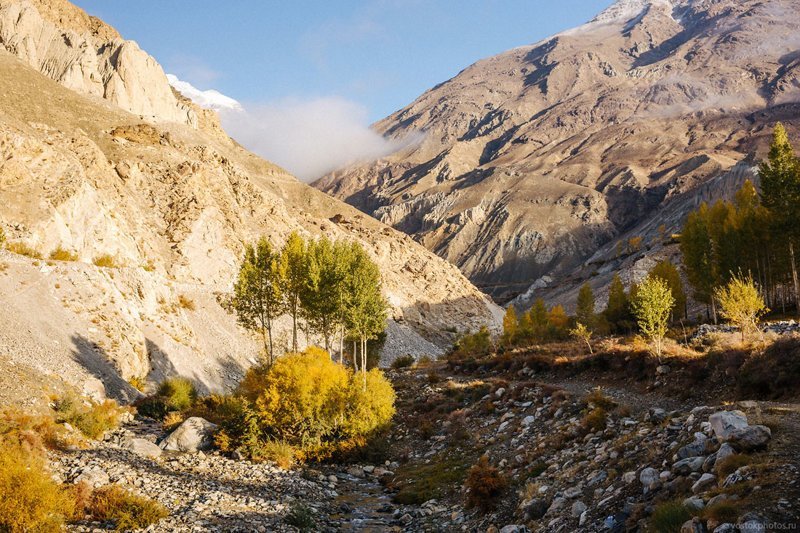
x=186 y=303
x=126 y=510
x=281 y=453
x=32 y=432
x=62 y=254
x=419 y=483
x=178 y=393
x=20 y=248
x=91 y=418
x=741 y=303
x=301 y=516
x=668 y=517
x=473 y=344
x=105 y=261
x=138 y=382
x=484 y=484
x=404 y=361
x=730 y=464
x=773 y=374
x=722 y=512
x=29 y=498
x=595 y=420
x=652 y=307
x=598 y=399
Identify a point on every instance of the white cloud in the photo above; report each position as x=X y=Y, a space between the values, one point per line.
x=209 y=99
x=308 y=137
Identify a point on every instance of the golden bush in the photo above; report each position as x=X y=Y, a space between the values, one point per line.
x=126 y=510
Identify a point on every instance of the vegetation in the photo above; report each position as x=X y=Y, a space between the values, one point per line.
x=184 y=302
x=668 y=272
x=20 y=248
x=106 y=261
x=652 y=307
x=29 y=498
x=583 y=334
x=62 y=254
x=404 y=361
x=91 y=418
x=618 y=310
x=756 y=234
x=331 y=287
x=173 y=395
x=473 y=344
x=741 y=303
x=484 y=485
x=668 y=517
x=305 y=401
x=127 y=511
x=584 y=312
x=302 y=517
x=2 y=238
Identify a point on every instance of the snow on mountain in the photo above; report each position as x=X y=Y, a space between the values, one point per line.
x=209 y=99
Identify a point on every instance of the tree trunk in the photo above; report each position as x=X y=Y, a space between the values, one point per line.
x=355 y=355
x=294 y=327
x=795 y=280
x=341 y=345
x=364 y=360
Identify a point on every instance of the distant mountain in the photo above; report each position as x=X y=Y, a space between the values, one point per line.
x=100 y=157
x=536 y=159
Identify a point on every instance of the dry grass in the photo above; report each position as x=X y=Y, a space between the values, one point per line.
x=20 y=248
x=62 y=254
x=106 y=261
x=91 y=418
x=184 y=302
x=484 y=485
x=127 y=511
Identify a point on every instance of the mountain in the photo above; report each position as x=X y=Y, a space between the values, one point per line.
x=98 y=156
x=536 y=159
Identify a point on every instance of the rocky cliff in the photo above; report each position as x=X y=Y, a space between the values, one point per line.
x=535 y=159
x=164 y=209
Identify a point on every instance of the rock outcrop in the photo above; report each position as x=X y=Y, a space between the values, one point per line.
x=86 y=55
x=535 y=159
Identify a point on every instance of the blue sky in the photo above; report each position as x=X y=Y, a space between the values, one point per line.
x=371 y=57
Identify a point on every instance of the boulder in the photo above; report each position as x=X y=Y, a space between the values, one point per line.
x=725 y=451
x=193 y=434
x=514 y=528
x=751 y=523
x=695 y=525
x=695 y=449
x=705 y=482
x=142 y=447
x=578 y=508
x=656 y=415
x=649 y=479
x=725 y=528
x=750 y=438
x=695 y=503
x=94 y=476
x=688 y=465
x=629 y=477
x=724 y=422
x=534 y=509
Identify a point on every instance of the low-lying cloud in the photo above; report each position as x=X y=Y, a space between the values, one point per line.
x=309 y=138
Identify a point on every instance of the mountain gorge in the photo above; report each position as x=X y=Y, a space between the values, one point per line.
x=151 y=204
x=535 y=160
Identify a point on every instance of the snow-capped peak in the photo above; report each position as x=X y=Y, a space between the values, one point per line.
x=209 y=99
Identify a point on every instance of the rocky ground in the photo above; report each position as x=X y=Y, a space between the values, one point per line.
x=576 y=458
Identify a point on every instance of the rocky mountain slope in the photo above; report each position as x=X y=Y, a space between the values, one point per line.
x=534 y=159
x=164 y=203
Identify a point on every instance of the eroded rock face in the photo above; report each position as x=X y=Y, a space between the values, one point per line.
x=85 y=55
x=535 y=158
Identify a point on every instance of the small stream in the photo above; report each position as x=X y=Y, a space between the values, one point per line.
x=362 y=505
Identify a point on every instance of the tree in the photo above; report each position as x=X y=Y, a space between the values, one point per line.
x=741 y=303
x=510 y=326
x=537 y=317
x=258 y=299
x=696 y=249
x=557 y=322
x=365 y=307
x=584 y=312
x=323 y=295
x=293 y=275
x=652 y=307
x=584 y=334
x=669 y=273
x=617 y=309
x=780 y=194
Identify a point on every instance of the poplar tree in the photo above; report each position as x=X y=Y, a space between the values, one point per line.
x=617 y=311
x=293 y=275
x=652 y=308
x=510 y=326
x=322 y=298
x=585 y=306
x=666 y=271
x=258 y=299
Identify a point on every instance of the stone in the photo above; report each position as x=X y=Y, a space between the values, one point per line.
x=720 y=498
x=751 y=523
x=725 y=528
x=193 y=434
x=584 y=517
x=656 y=415
x=750 y=438
x=725 y=451
x=499 y=392
x=724 y=422
x=662 y=370
x=705 y=482
x=695 y=449
x=688 y=465
x=578 y=509
x=629 y=477
x=572 y=492
x=528 y=420
x=143 y=447
x=694 y=503
x=94 y=476
x=695 y=525
x=534 y=509
x=514 y=528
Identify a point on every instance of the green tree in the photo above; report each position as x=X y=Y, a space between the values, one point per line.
x=323 y=297
x=617 y=309
x=366 y=309
x=696 y=249
x=652 y=308
x=669 y=273
x=537 y=316
x=258 y=299
x=584 y=312
x=293 y=269
x=780 y=194
x=741 y=303
x=584 y=334
x=510 y=326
